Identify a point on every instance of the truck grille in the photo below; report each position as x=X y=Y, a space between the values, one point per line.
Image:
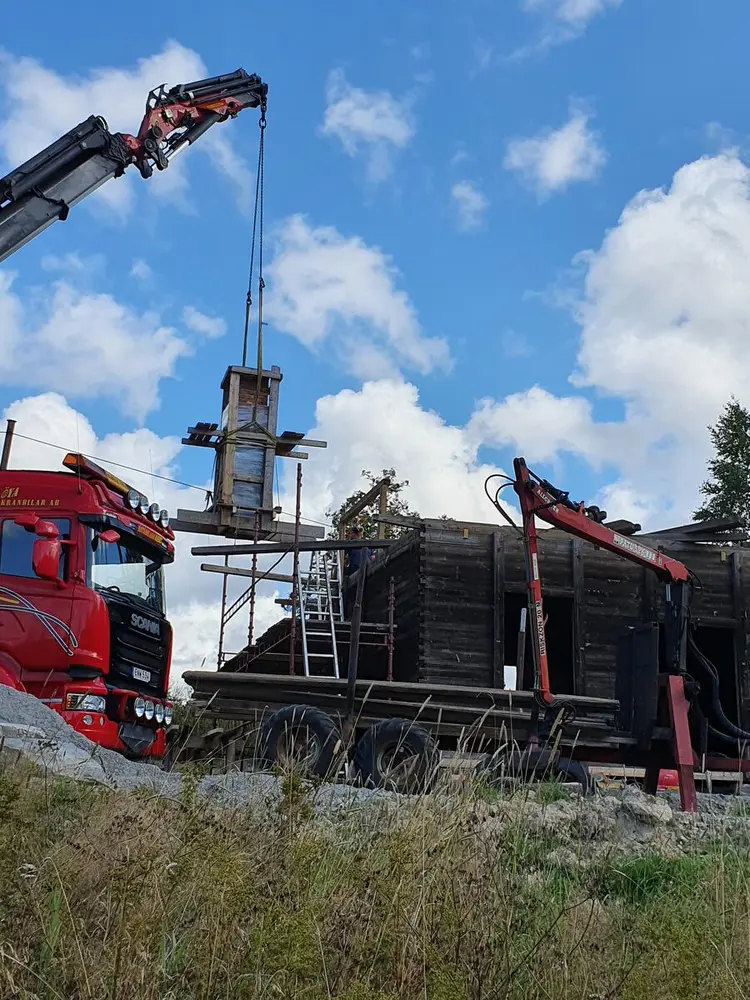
x=133 y=649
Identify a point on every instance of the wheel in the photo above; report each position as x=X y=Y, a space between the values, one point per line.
x=300 y=737
x=574 y=770
x=397 y=755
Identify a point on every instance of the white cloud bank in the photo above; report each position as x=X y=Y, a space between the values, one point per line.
x=665 y=318
x=87 y=344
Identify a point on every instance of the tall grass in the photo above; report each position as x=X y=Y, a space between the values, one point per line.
x=116 y=896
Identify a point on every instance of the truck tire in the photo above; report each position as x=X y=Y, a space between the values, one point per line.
x=397 y=755
x=302 y=737
x=574 y=770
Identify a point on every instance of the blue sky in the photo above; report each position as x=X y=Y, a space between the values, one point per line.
x=457 y=173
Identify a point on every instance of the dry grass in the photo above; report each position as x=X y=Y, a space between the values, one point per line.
x=119 y=896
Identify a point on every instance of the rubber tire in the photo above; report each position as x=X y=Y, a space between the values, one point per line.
x=324 y=730
x=389 y=735
x=574 y=770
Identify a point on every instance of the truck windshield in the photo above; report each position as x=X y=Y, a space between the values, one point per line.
x=123 y=567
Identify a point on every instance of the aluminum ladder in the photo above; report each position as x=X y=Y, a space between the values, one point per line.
x=321 y=606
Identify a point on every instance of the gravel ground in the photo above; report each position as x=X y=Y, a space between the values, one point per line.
x=625 y=817
x=41 y=735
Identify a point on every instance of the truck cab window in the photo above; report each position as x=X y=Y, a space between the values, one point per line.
x=127 y=568
x=16 y=545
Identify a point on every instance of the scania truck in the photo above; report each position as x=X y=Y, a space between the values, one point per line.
x=82 y=612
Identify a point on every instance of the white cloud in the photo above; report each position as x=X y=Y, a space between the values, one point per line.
x=369 y=121
x=209 y=326
x=337 y=292
x=43 y=104
x=553 y=159
x=564 y=20
x=665 y=318
x=470 y=205
x=84 y=344
x=141 y=270
x=383 y=426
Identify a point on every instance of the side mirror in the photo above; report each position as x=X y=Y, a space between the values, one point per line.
x=110 y=536
x=45 y=558
x=28 y=521
x=46 y=529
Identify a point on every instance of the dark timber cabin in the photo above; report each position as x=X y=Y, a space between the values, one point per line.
x=460 y=587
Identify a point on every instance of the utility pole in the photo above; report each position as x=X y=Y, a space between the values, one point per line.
x=9 y=430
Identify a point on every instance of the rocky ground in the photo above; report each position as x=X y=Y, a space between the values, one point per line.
x=583 y=829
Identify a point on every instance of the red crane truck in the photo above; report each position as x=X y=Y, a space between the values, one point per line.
x=82 y=613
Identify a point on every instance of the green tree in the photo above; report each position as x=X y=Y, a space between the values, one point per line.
x=727 y=492
x=366 y=520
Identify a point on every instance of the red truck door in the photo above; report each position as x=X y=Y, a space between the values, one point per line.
x=36 y=638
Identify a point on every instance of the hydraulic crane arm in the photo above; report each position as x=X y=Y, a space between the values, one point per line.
x=539 y=498
x=44 y=189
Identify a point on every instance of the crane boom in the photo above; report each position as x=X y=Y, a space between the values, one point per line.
x=45 y=188
x=539 y=498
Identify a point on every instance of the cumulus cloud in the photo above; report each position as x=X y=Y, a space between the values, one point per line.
x=665 y=331
x=369 y=122
x=383 y=425
x=85 y=344
x=553 y=159
x=335 y=291
x=41 y=104
x=470 y=205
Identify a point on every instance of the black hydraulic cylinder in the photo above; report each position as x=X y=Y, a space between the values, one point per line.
x=43 y=189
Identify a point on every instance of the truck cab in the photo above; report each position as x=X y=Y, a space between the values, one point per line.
x=82 y=605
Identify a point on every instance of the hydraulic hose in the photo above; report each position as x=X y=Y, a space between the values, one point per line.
x=708 y=698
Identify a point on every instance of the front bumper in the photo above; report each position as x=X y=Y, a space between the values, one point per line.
x=126 y=738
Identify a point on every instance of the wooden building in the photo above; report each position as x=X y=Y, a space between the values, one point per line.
x=460 y=588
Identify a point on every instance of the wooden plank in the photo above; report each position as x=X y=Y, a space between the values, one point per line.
x=370 y=497
x=329 y=545
x=237 y=571
x=579 y=639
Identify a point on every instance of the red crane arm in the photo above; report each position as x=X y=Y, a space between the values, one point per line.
x=541 y=499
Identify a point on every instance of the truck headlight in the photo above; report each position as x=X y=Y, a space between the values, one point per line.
x=86 y=702
x=159 y=712
x=149 y=712
x=139 y=707
x=168 y=714
x=164 y=518
x=133 y=499
x=143 y=505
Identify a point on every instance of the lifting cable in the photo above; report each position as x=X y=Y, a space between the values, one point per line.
x=257 y=240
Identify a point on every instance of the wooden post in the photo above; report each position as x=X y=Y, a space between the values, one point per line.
x=351 y=676
x=295 y=573
x=497 y=660
x=9 y=431
x=224 y=583
x=383 y=505
x=251 y=616
x=579 y=651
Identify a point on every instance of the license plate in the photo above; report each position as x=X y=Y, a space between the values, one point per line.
x=141 y=675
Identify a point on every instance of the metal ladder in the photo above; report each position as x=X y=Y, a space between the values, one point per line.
x=320 y=601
